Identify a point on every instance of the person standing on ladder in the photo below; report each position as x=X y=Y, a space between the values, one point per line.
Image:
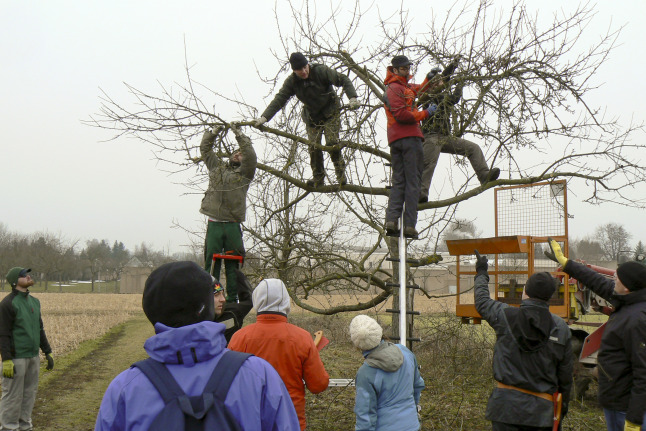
x=225 y=204
x=405 y=141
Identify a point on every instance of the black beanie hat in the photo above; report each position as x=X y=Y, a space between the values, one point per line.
x=297 y=60
x=541 y=285
x=632 y=275
x=179 y=294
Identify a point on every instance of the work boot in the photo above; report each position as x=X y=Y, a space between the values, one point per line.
x=316 y=182
x=493 y=175
x=392 y=229
x=342 y=179
x=410 y=232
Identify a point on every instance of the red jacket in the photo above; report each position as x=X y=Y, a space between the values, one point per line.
x=403 y=116
x=290 y=350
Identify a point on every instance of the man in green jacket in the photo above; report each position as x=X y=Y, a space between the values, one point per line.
x=21 y=335
x=225 y=204
x=312 y=85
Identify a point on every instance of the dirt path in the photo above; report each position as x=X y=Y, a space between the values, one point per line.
x=69 y=397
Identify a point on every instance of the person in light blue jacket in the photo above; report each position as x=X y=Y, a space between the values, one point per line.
x=178 y=299
x=388 y=383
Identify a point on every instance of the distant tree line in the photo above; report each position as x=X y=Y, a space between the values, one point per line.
x=54 y=259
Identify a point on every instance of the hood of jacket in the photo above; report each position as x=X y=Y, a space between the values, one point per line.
x=391 y=77
x=187 y=344
x=630 y=298
x=270 y=296
x=530 y=324
x=386 y=356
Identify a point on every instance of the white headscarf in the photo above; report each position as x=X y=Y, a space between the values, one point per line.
x=271 y=295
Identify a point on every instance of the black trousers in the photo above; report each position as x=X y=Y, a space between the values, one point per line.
x=407 y=160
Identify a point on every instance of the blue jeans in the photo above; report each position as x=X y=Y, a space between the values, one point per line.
x=615 y=420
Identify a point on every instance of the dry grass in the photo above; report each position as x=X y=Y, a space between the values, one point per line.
x=71 y=318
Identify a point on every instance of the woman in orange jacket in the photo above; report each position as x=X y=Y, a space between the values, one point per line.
x=288 y=348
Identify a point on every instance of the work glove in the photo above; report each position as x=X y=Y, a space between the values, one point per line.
x=7 y=368
x=257 y=122
x=482 y=263
x=556 y=254
x=50 y=361
x=434 y=71
x=431 y=109
x=629 y=426
x=353 y=103
x=244 y=287
x=236 y=130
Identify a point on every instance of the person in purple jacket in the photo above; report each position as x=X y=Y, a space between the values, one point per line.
x=178 y=300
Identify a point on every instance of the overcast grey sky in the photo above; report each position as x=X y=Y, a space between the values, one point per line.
x=61 y=176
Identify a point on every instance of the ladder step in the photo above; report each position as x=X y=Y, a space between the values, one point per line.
x=415 y=339
x=414 y=313
x=410 y=286
x=396 y=259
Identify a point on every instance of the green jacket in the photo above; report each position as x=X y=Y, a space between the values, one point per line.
x=316 y=93
x=226 y=197
x=21 y=327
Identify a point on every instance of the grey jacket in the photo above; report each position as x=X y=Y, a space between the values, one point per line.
x=543 y=368
x=226 y=197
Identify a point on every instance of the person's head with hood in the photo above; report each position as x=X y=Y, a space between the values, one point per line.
x=541 y=286
x=271 y=297
x=179 y=294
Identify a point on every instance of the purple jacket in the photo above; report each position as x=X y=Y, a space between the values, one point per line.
x=257 y=398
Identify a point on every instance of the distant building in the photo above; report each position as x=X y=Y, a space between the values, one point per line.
x=134 y=277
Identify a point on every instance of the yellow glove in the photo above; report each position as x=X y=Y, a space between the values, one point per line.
x=7 y=368
x=557 y=253
x=629 y=426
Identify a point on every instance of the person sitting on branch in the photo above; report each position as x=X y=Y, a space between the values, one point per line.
x=313 y=85
x=437 y=130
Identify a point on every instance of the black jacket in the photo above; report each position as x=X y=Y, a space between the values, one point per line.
x=536 y=364
x=622 y=356
x=234 y=313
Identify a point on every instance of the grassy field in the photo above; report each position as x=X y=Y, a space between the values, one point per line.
x=455 y=360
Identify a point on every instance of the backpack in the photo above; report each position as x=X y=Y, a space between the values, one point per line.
x=194 y=413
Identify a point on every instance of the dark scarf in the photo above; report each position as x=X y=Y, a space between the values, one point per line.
x=531 y=324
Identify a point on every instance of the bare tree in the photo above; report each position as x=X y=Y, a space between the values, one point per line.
x=613 y=239
x=524 y=84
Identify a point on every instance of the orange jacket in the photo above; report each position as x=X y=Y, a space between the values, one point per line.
x=290 y=350
x=401 y=112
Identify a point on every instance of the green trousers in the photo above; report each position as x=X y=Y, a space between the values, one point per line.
x=223 y=237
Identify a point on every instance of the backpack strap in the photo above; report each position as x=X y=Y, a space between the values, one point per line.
x=224 y=373
x=161 y=379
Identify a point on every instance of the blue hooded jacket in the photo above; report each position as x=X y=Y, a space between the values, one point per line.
x=388 y=389
x=257 y=398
